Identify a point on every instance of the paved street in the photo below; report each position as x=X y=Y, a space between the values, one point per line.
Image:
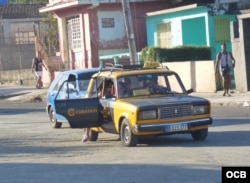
x=31 y=151
x=34 y=152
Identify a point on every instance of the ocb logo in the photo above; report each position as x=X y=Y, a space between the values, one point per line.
x=236 y=174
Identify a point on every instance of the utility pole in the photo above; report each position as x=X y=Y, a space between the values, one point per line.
x=1 y=66
x=20 y=59
x=129 y=32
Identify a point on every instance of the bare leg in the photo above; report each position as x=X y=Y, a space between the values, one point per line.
x=86 y=132
x=226 y=84
x=37 y=82
x=229 y=82
x=40 y=82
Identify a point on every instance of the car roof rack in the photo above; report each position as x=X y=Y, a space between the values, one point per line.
x=109 y=67
x=117 y=67
x=121 y=67
x=130 y=67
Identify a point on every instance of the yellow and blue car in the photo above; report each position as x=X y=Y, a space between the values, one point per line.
x=141 y=101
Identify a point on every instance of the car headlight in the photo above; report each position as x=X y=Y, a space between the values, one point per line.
x=200 y=110
x=151 y=114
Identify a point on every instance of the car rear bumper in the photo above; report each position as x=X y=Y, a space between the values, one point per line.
x=166 y=127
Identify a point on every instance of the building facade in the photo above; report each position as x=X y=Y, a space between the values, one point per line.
x=90 y=29
x=209 y=25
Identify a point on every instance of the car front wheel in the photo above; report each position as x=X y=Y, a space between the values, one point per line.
x=200 y=134
x=53 y=119
x=127 y=137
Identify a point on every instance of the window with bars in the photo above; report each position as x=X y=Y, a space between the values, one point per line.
x=74 y=32
x=222 y=29
x=164 y=37
x=25 y=37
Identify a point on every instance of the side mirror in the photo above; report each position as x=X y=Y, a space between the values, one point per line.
x=190 y=91
x=72 y=78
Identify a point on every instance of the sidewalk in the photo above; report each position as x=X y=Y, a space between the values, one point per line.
x=31 y=94
x=22 y=93
x=217 y=99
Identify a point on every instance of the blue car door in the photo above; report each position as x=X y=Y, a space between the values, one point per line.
x=80 y=113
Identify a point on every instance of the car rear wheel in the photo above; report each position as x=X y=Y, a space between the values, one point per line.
x=93 y=135
x=53 y=119
x=200 y=134
x=127 y=137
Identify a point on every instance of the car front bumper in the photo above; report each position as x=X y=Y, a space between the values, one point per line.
x=173 y=127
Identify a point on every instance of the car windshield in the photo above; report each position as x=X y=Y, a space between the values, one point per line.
x=149 y=84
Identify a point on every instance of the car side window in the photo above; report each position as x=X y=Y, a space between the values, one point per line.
x=83 y=84
x=60 y=82
x=54 y=85
x=67 y=91
x=107 y=89
x=96 y=87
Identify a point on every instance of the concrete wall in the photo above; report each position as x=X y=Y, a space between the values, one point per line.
x=240 y=66
x=13 y=57
x=198 y=75
x=24 y=77
x=240 y=47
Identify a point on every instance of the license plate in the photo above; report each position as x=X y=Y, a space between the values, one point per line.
x=176 y=127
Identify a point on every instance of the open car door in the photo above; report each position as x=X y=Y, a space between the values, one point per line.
x=79 y=112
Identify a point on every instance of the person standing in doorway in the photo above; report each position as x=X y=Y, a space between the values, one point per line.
x=107 y=93
x=37 y=68
x=227 y=63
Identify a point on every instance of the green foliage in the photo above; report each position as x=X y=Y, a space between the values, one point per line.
x=150 y=53
x=50 y=37
x=180 y=53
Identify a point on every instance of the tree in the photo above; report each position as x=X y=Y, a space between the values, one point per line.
x=50 y=37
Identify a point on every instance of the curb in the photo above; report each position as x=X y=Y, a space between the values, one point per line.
x=30 y=97
x=216 y=99
x=228 y=104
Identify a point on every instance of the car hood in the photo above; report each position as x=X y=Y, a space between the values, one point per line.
x=163 y=101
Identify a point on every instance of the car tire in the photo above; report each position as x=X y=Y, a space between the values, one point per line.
x=93 y=135
x=200 y=134
x=53 y=119
x=127 y=137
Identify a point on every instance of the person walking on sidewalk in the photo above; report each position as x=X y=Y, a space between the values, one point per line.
x=227 y=64
x=37 y=68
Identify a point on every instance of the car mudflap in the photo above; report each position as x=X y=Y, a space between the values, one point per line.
x=80 y=113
